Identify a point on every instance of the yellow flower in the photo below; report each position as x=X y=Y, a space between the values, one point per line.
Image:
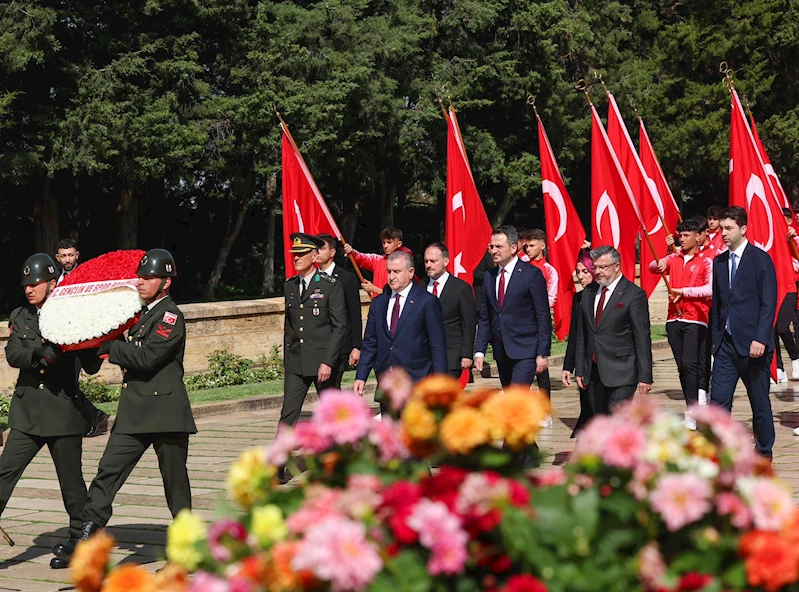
x=87 y=567
x=249 y=476
x=172 y=578
x=129 y=578
x=268 y=525
x=419 y=421
x=516 y=415
x=182 y=537
x=462 y=430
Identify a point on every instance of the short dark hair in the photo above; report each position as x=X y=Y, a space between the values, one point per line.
x=715 y=212
x=67 y=243
x=441 y=247
x=690 y=225
x=330 y=240
x=537 y=234
x=787 y=212
x=735 y=213
x=509 y=232
x=702 y=222
x=391 y=232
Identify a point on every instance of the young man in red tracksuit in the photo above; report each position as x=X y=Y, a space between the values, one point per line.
x=714 y=239
x=392 y=241
x=691 y=277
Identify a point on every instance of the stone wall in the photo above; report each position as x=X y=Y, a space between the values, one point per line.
x=248 y=328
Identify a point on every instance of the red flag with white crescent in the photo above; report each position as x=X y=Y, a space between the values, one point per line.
x=565 y=232
x=653 y=171
x=304 y=208
x=751 y=188
x=468 y=231
x=772 y=174
x=614 y=218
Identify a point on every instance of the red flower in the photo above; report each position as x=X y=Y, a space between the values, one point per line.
x=117 y=265
x=501 y=564
x=444 y=486
x=401 y=494
x=403 y=533
x=519 y=495
x=524 y=583
x=694 y=581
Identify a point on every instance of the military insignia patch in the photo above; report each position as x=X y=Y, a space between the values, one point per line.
x=162 y=331
x=170 y=317
x=316 y=312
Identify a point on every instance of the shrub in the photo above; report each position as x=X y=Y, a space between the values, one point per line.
x=227 y=369
x=98 y=392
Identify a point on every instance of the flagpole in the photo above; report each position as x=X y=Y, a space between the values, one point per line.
x=582 y=86
x=285 y=129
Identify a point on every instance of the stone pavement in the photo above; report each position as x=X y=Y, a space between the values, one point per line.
x=36 y=520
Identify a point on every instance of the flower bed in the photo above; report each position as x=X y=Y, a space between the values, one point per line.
x=644 y=504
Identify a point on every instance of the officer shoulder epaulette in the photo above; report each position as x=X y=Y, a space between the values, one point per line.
x=292 y=278
x=327 y=278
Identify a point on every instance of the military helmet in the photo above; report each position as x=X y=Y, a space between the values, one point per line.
x=158 y=263
x=38 y=268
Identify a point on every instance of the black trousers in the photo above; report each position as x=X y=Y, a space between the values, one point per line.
x=603 y=398
x=122 y=453
x=87 y=410
x=686 y=341
x=782 y=329
x=295 y=388
x=19 y=451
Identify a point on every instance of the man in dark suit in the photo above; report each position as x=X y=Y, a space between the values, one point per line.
x=457 y=306
x=742 y=323
x=353 y=338
x=405 y=328
x=514 y=313
x=614 y=345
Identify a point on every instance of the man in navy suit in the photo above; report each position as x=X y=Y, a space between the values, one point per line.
x=405 y=328
x=514 y=313
x=742 y=322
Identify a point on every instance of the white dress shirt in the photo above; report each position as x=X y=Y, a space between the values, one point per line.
x=153 y=303
x=508 y=273
x=403 y=294
x=738 y=254
x=307 y=280
x=329 y=270
x=611 y=287
x=441 y=281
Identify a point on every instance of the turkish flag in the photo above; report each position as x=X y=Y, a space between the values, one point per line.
x=615 y=219
x=776 y=186
x=468 y=230
x=645 y=193
x=564 y=231
x=751 y=188
x=653 y=171
x=304 y=208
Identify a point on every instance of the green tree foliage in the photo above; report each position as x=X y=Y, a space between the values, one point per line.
x=151 y=122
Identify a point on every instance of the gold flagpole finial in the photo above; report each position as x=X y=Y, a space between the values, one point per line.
x=725 y=69
x=582 y=86
x=635 y=108
x=531 y=103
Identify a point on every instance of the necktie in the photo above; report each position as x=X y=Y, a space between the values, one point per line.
x=501 y=290
x=302 y=287
x=395 y=314
x=733 y=267
x=435 y=288
x=600 y=308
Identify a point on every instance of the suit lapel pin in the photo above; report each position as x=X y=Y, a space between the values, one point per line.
x=411 y=301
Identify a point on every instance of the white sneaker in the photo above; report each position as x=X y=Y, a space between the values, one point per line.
x=795 y=369
x=781 y=376
x=547 y=423
x=796 y=431
x=703 y=398
x=690 y=422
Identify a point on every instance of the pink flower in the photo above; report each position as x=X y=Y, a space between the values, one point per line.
x=320 y=503
x=361 y=497
x=280 y=449
x=343 y=417
x=222 y=532
x=386 y=436
x=448 y=555
x=641 y=411
x=480 y=494
x=591 y=440
x=732 y=505
x=440 y=531
x=681 y=498
x=771 y=503
x=651 y=566
x=551 y=477
x=204 y=582
x=639 y=484
x=624 y=446
x=336 y=550
x=309 y=439
x=397 y=384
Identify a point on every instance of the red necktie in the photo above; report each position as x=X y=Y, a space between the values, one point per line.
x=501 y=290
x=435 y=288
x=395 y=314
x=601 y=306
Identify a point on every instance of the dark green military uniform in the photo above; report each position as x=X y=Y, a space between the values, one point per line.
x=314 y=331
x=44 y=411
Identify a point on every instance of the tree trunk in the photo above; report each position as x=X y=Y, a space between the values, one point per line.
x=268 y=286
x=349 y=221
x=45 y=217
x=231 y=232
x=503 y=209
x=128 y=210
x=387 y=196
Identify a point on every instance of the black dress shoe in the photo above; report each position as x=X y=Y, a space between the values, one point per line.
x=58 y=563
x=88 y=529
x=65 y=550
x=98 y=425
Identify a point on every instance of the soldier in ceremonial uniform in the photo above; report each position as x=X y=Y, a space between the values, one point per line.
x=154 y=408
x=315 y=327
x=44 y=408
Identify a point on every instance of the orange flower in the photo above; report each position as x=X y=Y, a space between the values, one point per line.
x=172 y=578
x=87 y=567
x=129 y=578
x=790 y=531
x=475 y=398
x=278 y=574
x=771 y=561
x=464 y=429
x=418 y=421
x=438 y=390
x=516 y=415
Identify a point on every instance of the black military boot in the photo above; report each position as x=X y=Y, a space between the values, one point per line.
x=97 y=426
x=63 y=553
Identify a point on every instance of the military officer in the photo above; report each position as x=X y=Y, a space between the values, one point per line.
x=44 y=407
x=154 y=407
x=314 y=330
